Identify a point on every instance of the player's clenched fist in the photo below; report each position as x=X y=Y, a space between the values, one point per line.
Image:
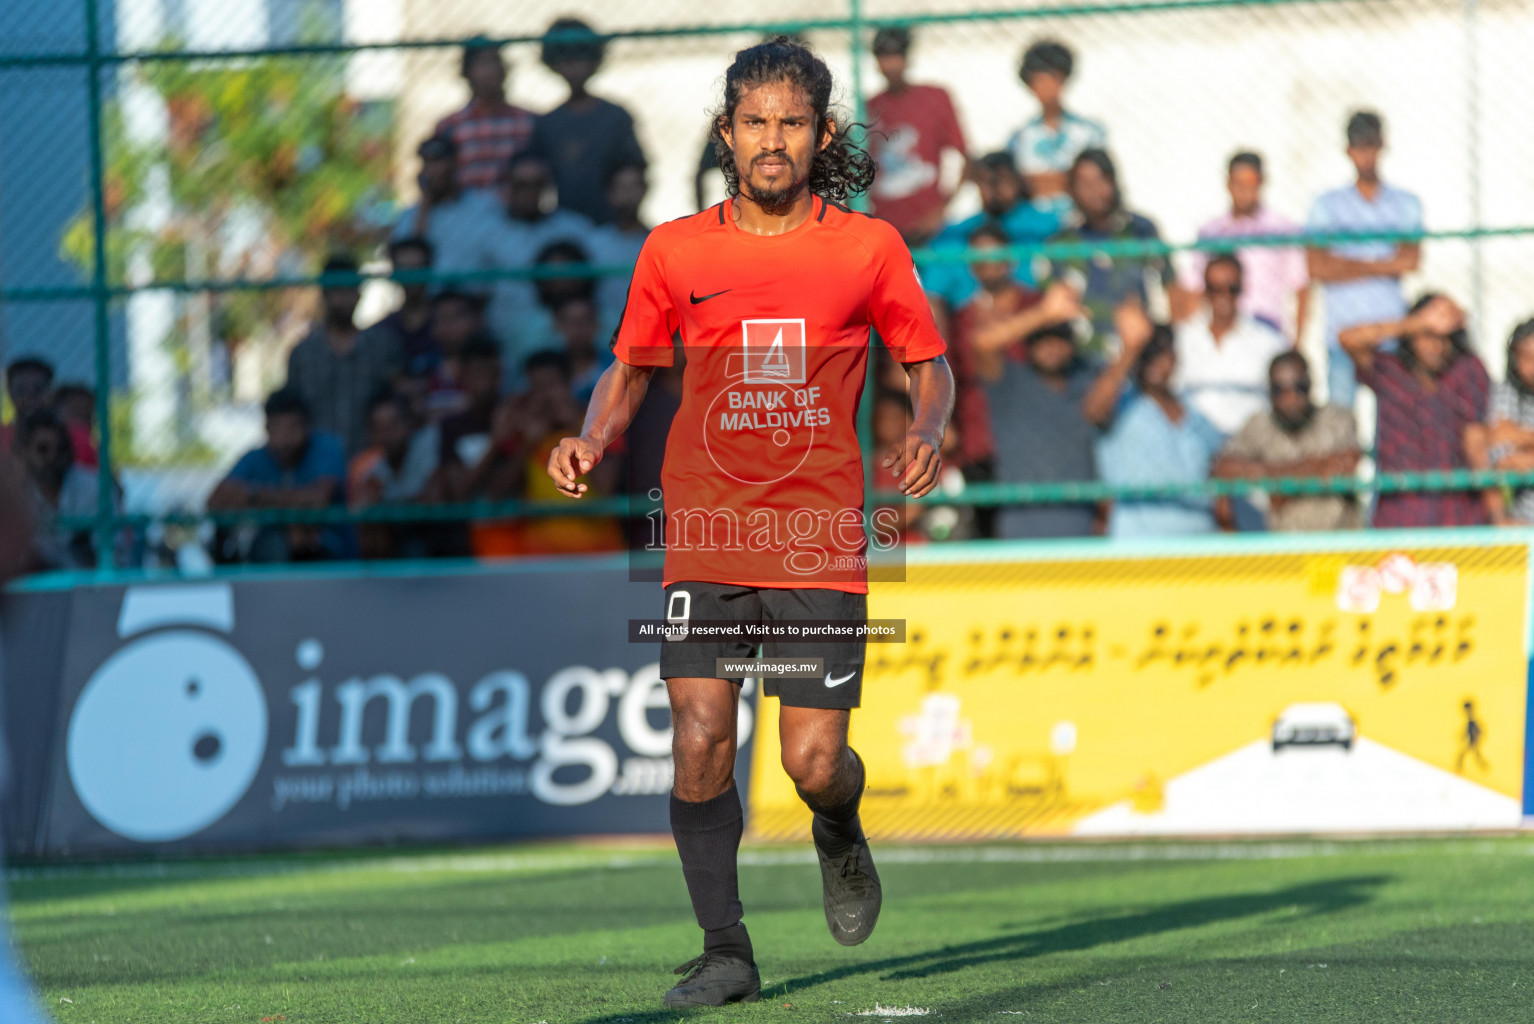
x=574 y=458
x=917 y=462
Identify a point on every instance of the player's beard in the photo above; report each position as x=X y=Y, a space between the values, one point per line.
x=775 y=201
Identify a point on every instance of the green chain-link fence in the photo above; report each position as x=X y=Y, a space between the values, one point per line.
x=173 y=172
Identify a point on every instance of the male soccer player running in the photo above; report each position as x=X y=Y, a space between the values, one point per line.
x=773 y=294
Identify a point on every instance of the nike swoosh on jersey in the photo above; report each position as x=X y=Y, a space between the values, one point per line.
x=695 y=298
x=837 y=682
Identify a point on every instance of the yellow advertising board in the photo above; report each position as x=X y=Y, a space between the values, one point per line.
x=1323 y=691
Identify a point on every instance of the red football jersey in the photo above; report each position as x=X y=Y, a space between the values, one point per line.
x=763 y=479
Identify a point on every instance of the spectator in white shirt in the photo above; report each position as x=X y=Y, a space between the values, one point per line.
x=446 y=215
x=532 y=222
x=1223 y=354
x=620 y=241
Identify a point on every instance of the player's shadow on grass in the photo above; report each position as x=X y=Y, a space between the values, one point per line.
x=1325 y=897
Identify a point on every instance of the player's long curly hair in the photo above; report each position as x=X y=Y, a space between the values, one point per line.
x=843 y=168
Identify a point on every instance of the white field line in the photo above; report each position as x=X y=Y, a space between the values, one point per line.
x=893 y=1011
x=537 y=861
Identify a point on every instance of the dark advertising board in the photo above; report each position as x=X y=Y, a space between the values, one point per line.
x=300 y=712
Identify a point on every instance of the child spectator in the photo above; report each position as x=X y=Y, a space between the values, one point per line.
x=1046 y=148
x=75 y=406
x=585 y=138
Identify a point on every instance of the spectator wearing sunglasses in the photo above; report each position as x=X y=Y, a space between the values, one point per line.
x=1223 y=354
x=1294 y=437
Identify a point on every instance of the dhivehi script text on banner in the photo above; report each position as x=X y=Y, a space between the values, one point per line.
x=1334 y=691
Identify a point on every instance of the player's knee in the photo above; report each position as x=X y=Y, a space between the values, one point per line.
x=813 y=764
x=701 y=737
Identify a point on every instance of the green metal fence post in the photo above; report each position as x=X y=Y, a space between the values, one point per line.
x=99 y=297
x=865 y=424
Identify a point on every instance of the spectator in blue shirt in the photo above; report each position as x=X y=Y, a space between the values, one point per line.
x=1150 y=437
x=1004 y=205
x=1361 y=281
x=298 y=468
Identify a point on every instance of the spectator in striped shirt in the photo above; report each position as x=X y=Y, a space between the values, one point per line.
x=488 y=131
x=1429 y=390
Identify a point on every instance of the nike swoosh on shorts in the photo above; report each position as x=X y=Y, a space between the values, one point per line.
x=843 y=679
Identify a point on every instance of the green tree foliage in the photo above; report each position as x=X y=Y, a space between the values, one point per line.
x=263 y=166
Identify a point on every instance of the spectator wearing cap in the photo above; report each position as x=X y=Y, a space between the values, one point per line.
x=1506 y=440
x=1223 y=355
x=913 y=126
x=1430 y=391
x=1046 y=147
x=1295 y=437
x=618 y=243
x=446 y=215
x=299 y=467
x=1361 y=281
x=1105 y=280
x=1150 y=437
x=1275 y=281
x=585 y=138
x=535 y=217
x=1004 y=206
x=336 y=368
x=29 y=386
x=488 y=131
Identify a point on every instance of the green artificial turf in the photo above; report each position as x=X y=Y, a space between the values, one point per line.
x=1431 y=931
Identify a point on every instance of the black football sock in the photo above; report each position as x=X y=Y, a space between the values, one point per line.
x=707 y=839
x=836 y=826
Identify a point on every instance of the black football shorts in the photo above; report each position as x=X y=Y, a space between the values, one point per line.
x=842 y=684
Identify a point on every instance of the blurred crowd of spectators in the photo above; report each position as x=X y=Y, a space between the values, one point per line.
x=1107 y=366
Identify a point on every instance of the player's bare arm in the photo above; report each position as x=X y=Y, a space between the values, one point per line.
x=616 y=399
x=917 y=460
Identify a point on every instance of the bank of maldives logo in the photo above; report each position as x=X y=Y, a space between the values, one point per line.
x=774 y=351
x=169 y=733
